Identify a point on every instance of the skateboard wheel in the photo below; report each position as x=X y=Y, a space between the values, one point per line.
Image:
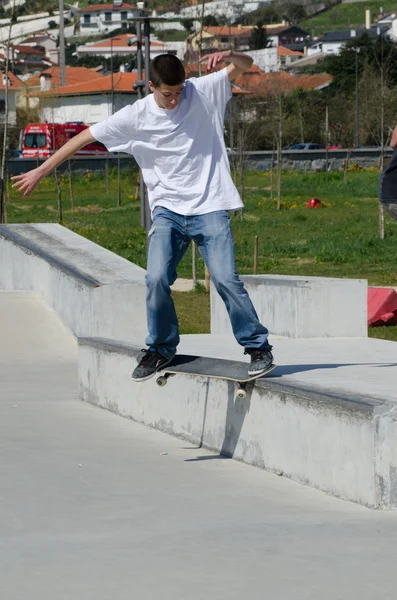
x=241 y=394
x=161 y=381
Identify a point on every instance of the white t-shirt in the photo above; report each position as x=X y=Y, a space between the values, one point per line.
x=181 y=152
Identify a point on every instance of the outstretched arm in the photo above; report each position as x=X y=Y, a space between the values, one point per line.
x=27 y=182
x=237 y=62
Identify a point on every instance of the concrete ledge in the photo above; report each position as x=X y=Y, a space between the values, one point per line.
x=81 y=281
x=340 y=443
x=301 y=307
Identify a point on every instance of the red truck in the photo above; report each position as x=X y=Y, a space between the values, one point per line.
x=43 y=139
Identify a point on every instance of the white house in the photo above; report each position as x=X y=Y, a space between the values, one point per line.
x=119 y=45
x=90 y=101
x=102 y=18
x=333 y=41
x=15 y=87
x=266 y=59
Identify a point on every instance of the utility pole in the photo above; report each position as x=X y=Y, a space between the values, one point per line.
x=62 y=44
x=4 y=152
x=357 y=140
x=111 y=75
x=140 y=85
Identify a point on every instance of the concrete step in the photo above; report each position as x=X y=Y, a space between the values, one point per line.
x=326 y=417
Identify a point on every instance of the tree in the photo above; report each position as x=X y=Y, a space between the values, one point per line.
x=210 y=21
x=259 y=38
x=188 y=24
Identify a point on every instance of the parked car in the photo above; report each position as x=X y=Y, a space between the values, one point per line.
x=309 y=146
x=15 y=154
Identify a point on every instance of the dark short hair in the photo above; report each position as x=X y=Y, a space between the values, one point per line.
x=168 y=69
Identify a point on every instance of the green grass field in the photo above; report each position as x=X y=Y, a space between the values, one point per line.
x=344 y=16
x=339 y=240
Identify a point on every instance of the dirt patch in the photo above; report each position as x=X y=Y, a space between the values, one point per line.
x=297 y=261
x=252 y=218
x=90 y=209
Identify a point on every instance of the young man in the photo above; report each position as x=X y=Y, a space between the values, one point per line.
x=176 y=137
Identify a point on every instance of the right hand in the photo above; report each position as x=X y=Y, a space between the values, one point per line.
x=27 y=182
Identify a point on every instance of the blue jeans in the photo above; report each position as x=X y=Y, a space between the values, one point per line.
x=170 y=237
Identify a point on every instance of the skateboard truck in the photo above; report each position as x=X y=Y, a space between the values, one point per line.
x=163 y=379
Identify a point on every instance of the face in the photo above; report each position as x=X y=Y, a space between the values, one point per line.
x=167 y=96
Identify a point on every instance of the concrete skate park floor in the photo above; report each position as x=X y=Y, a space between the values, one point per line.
x=93 y=508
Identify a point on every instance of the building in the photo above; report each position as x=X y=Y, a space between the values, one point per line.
x=51 y=78
x=262 y=84
x=45 y=40
x=15 y=87
x=266 y=59
x=118 y=45
x=333 y=41
x=305 y=61
x=90 y=101
x=287 y=57
x=24 y=60
x=220 y=38
x=238 y=37
x=290 y=36
x=103 y=18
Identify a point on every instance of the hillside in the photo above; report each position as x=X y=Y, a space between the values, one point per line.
x=345 y=16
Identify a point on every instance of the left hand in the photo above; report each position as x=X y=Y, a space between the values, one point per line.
x=216 y=58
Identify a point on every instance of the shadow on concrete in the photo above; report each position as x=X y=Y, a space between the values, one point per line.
x=236 y=411
x=281 y=370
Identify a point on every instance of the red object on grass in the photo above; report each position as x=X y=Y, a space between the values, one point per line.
x=382 y=306
x=314 y=203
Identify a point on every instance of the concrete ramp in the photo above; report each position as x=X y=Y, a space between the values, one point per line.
x=38 y=355
x=93 y=291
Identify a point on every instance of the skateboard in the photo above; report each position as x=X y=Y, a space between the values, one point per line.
x=230 y=370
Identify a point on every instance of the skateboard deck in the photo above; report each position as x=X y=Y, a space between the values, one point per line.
x=220 y=368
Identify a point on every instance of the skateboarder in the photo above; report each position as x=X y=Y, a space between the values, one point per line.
x=176 y=135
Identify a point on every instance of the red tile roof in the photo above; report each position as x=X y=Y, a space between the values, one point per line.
x=122 y=82
x=260 y=83
x=120 y=41
x=107 y=7
x=28 y=49
x=282 y=51
x=14 y=84
x=72 y=75
x=226 y=31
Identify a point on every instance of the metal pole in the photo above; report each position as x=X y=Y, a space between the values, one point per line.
x=111 y=75
x=139 y=55
x=326 y=137
x=61 y=44
x=357 y=143
x=139 y=90
x=146 y=32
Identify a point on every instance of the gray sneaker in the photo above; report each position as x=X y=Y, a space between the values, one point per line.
x=150 y=362
x=261 y=360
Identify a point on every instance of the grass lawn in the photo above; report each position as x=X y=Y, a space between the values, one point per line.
x=339 y=240
x=344 y=16
x=173 y=35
